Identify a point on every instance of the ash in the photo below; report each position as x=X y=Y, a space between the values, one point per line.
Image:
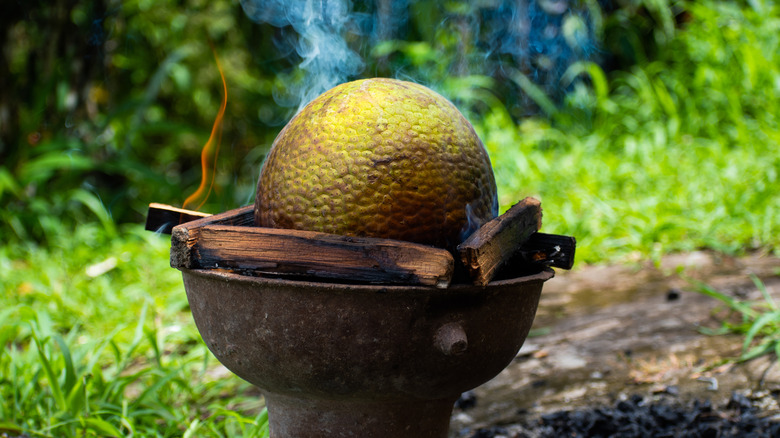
x=638 y=417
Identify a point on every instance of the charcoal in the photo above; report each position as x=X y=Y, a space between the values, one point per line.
x=664 y=417
x=739 y=403
x=491 y=432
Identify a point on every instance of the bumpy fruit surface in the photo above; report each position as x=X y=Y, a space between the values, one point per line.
x=378 y=158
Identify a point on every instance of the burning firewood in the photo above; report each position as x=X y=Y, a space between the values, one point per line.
x=511 y=240
x=223 y=241
x=230 y=240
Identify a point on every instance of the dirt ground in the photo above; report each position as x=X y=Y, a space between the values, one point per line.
x=606 y=334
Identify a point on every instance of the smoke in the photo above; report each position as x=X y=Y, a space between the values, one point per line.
x=503 y=39
x=473 y=221
x=322 y=25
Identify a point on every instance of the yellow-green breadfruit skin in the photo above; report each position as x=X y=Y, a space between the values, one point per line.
x=378 y=158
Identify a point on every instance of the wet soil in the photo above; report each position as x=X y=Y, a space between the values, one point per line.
x=627 y=347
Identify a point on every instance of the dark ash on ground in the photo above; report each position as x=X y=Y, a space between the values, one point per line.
x=639 y=417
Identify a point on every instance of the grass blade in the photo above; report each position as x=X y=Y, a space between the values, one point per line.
x=9 y=427
x=594 y=72
x=755 y=352
x=192 y=429
x=103 y=426
x=760 y=322
x=137 y=338
x=70 y=375
x=764 y=293
x=729 y=301
x=167 y=377
x=56 y=391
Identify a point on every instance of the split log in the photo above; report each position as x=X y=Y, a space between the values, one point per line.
x=184 y=237
x=495 y=242
x=217 y=242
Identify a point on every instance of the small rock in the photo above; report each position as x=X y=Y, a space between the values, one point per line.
x=739 y=403
x=667 y=389
x=764 y=369
x=466 y=401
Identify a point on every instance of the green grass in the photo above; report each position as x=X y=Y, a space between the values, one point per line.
x=111 y=351
x=680 y=153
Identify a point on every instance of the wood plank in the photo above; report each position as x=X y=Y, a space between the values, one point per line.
x=321 y=255
x=185 y=236
x=493 y=244
x=222 y=241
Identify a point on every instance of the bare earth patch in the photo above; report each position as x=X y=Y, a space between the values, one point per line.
x=620 y=336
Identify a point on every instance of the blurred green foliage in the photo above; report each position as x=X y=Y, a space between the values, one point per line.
x=666 y=141
x=106 y=104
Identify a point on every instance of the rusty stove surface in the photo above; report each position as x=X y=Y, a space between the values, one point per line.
x=361 y=360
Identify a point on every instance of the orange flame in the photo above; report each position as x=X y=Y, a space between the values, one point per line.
x=208 y=156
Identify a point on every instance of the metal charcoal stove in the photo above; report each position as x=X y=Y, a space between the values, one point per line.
x=361 y=337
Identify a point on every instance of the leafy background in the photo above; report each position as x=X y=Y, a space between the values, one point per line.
x=644 y=126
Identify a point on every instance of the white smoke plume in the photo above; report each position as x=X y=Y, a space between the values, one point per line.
x=538 y=38
x=321 y=27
